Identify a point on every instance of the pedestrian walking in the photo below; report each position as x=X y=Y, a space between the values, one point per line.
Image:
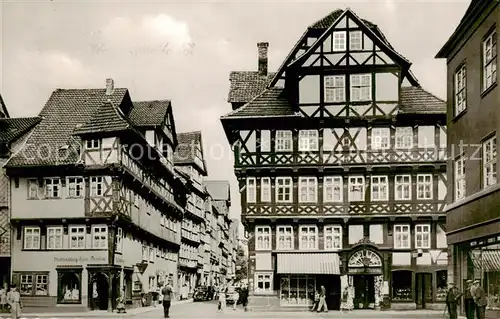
x=469 y=304
x=167 y=293
x=480 y=299
x=452 y=298
x=322 y=300
x=222 y=299
x=315 y=301
x=3 y=297
x=235 y=297
x=346 y=303
x=14 y=301
x=120 y=301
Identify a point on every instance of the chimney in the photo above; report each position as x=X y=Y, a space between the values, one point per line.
x=110 y=86
x=262 y=47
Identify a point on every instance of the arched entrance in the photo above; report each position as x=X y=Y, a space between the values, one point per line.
x=99 y=288
x=365 y=270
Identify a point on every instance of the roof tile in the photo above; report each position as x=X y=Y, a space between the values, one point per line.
x=245 y=84
x=149 y=113
x=416 y=100
x=12 y=128
x=108 y=118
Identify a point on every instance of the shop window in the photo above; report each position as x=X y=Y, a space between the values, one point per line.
x=401 y=285
x=263 y=282
x=441 y=285
x=33 y=284
x=297 y=291
x=485 y=264
x=69 y=286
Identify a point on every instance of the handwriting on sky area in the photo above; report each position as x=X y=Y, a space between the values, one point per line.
x=166 y=48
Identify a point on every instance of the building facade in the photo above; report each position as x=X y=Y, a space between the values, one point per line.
x=189 y=161
x=95 y=201
x=473 y=225
x=340 y=161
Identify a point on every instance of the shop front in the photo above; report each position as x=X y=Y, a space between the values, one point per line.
x=301 y=274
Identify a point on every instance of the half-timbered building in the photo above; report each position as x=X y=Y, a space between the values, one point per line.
x=340 y=161
x=473 y=222
x=13 y=133
x=96 y=204
x=189 y=161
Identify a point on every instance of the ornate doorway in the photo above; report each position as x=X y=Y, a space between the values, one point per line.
x=365 y=270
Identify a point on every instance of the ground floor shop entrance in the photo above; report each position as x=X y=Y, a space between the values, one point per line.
x=364 y=291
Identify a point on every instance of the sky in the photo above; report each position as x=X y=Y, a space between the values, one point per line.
x=184 y=51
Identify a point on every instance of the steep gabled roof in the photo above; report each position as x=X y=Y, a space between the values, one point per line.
x=12 y=128
x=149 y=113
x=3 y=108
x=108 y=118
x=185 y=153
x=245 y=83
x=416 y=100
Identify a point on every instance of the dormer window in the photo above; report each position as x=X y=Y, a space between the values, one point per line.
x=339 y=39
x=93 y=144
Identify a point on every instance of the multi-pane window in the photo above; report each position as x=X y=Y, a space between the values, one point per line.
x=335 y=88
x=77 y=237
x=283 y=141
x=93 y=144
x=119 y=239
x=490 y=60
x=361 y=87
x=308 y=140
x=265 y=189
x=262 y=237
x=339 y=40
x=402 y=187
x=356 y=188
x=31 y=237
x=460 y=178
x=460 y=89
x=263 y=282
x=308 y=237
x=145 y=252
x=381 y=138
x=284 y=238
x=422 y=236
x=308 y=189
x=490 y=162
x=52 y=187
x=251 y=190
x=333 y=237
x=332 y=189
x=284 y=189
x=33 y=189
x=380 y=188
x=75 y=186
x=424 y=186
x=402 y=236
x=96 y=186
x=404 y=137
x=99 y=236
x=355 y=40
x=34 y=285
x=54 y=237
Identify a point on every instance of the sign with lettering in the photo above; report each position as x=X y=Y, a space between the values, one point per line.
x=119 y=260
x=79 y=260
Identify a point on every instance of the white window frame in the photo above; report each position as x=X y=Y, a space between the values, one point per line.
x=379 y=188
x=80 y=230
x=263 y=236
x=403 y=137
x=489 y=60
x=263 y=277
x=459 y=177
x=265 y=189
x=284 y=141
x=33 y=186
x=460 y=81
x=99 y=236
x=119 y=239
x=75 y=187
x=93 y=145
x=381 y=138
x=333 y=189
x=95 y=183
x=489 y=162
x=332 y=233
x=351 y=36
x=152 y=254
x=251 y=190
x=425 y=181
x=52 y=186
x=400 y=231
x=287 y=186
x=308 y=231
x=334 y=86
x=33 y=232
x=357 y=182
x=422 y=236
x=308 y=189
x=284 y=234
x=402 y=182
x=145 y=252
x=339 y=39
x=361 y=85
x=308 y=140
x=55 y=232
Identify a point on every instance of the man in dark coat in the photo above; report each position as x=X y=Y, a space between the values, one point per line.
x=470 y=306
x=452 y=298
x=480 y=300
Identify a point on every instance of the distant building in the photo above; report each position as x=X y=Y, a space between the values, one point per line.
x=473 y=224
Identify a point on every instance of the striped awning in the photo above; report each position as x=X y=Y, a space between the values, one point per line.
x=487 y=260
x=309 y=263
